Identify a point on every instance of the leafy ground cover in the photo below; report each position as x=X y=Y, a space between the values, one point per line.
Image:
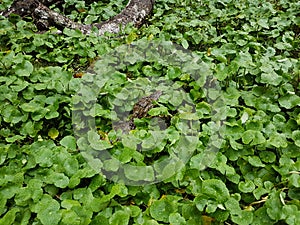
x=251 y=49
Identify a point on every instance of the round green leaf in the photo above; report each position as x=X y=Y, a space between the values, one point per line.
x=120 y=218
x=71 y=166
x=246 y=186
x=47 y=210
x=161 y=209
x=58 y=179
x=243 y=218
x=176 y=219
x=24 y=69
x=255 y=161
x=215 y=189
x=291 y=214
x=296 y=137
x=278 y=140
x=253 y=137
x=294 y=180
x=69 y=142
x=289 y=101
x=267 y=156
x=271 y=78
x=139 y=173
x=69 y=203
x=31 y=107
x=233 y=206
x=44 y=158
x=274 y=206
x=70 y=217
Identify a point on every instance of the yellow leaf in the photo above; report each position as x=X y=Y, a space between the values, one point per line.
x=53 y=133
x=207 y=220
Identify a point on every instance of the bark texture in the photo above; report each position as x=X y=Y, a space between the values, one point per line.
x=140 y=110
x=135 y=12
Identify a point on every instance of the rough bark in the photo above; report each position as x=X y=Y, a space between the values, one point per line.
x=135 y=12
x=140 y=110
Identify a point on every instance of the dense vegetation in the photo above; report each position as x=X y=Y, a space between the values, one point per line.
x=229 y=110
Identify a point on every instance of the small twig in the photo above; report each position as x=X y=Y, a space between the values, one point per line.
x=264 y=199
x=294 y=172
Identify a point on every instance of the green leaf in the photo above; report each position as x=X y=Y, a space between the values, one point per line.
x=244 y=59
x=44 y=158
x=72 y=33
x=289 y=101
x=233 y=206
x=271 y=78
x=255 y=161
x=47 y=210
x=100 y=220
x=185 y=44
x=246 y=186
x=274 y=206
x=12 y=114
x=188 y=116
x=24 y=69
x=23 y=196
x=260 y=191
x=263 y=22
x=253 y=137
x=69 y=203
x=96 y=142
x=58 y=179
x=219 y=54
x=261 y=217
x=111 y=164
x=119 y=189
x=294 y=180
x=120 y=218
x=201 y=160
x=31 y=107
x=254 y=125
x=191 y=214
x=296 y=137
x=70 y=217
x=215 y=189
x=221 y=71
x=173 y=72
x=267 y=156
x=130 y=141
x=232 y=83
x=162 y=209
x=139 y=173
x=71 y=166
x=31 y=128
x=69 y=142
x=176 y=219
x=9 y=217
x=176 y=98
x=243 y=218
x=15 y=138
x=278 y=140
x=158 y=111
x=155 y=139
x=291 y=214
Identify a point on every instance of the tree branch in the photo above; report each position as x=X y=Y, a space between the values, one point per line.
x=135 y=12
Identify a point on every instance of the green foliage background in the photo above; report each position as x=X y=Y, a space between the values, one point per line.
x=251 y=47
